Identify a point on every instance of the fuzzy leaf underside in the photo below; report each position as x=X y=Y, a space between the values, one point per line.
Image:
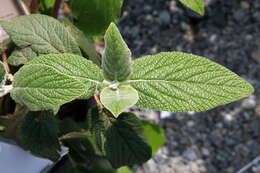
x=178 y=82
x=117 y=100
x=39 y=134
x=43 y=33
x=195 y=5
x=49 y=81
x=116 y=61
x=94 y=16
x=21 y=56
x=3 y=74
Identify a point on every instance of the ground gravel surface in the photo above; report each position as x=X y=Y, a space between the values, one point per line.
x=224 y=139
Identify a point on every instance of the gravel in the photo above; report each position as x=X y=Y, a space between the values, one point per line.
x=226 y=138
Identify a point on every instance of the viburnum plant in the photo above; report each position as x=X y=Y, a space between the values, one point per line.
x=55 y=72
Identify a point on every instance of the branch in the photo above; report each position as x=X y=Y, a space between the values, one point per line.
x=5 y=62
x=55 y=10
x=101 y=107
x=4 y=57
x=98 y=101
x=34 y=8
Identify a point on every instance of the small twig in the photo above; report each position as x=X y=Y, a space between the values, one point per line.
x=5 y=62
x=74 y=135
x=10 y=76
x=34 y=8
x=56 y=8
x=101 y=107
x=98 y=101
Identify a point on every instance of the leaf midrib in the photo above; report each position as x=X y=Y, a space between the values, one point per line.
x=70 y=76
x=168 y=81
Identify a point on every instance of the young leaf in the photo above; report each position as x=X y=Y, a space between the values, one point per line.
x=99 y=15
x=116 y=61
x=3 y=74
x=177 y=82
x=21 y=56
x=84 y=43
x=196 y=5
x=51 y=80
x=44 y=34
x=39 y=134
x=155 y=135
x=122 y=140
x=119 y=99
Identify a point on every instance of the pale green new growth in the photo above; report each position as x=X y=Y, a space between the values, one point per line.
x=43 y=33
x=52 y=80
x=196 y=5
x=119 y=99
x=3 y=74
x=116 y=61
x=177 y=82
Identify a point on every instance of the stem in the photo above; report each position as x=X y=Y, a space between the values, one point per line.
x=5 y=62
x=56 y=8
x=10 y=76
x=34 y=8
x=98 y=101
x=101 y=107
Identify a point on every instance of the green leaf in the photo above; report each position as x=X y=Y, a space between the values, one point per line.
x=12 y=124
x=21 y=56
x=195 y=5
x=122 y=140
x=116 y=60
x=83 y=42
x=46 y=6
x=98 y=126
x=80 y=148
x=51 y=80
x=68 y=125
x=44 y=34
x=39 y=134
x=3 y=74
x=99 y=15
x=119 y=99
x=2 y=128
x=126 y=142
x=155 y=135
x=176 y=82
x=124 y=169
